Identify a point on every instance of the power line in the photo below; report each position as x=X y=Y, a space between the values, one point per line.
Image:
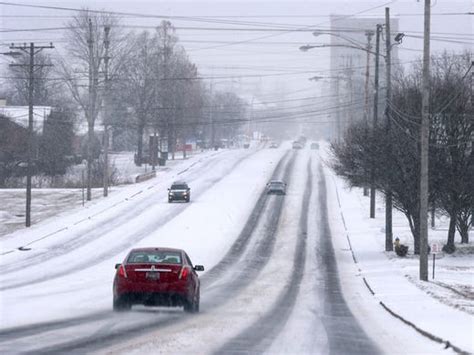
x=302 y=28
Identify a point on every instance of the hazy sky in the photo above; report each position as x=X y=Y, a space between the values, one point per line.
x=244 y=55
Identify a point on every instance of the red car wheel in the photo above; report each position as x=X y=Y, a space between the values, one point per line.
x=192 y=306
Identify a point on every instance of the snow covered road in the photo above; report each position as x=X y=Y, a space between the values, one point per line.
x=272 y=283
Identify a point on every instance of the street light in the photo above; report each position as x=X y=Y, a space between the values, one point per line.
x=398 y=38
x=307 y=47
x=345 y=38
x=12 y=54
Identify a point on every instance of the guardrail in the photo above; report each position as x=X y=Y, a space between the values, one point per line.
x=145 y=176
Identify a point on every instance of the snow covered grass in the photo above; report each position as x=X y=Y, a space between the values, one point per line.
x=48 y=202
x=453 y=281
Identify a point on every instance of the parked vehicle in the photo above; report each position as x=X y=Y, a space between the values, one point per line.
x=179 y=190
x=157 y=277
x=297 y=145
x=276 y=187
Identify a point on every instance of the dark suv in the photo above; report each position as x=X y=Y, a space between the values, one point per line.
x=179 y=190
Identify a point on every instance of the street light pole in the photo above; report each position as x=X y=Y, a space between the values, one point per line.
x=375 y=119
x=425 y=126
x=338 y=113
x=106 y=111
x=369 y=35
x=30 y=134
x=90 y=118
x=388 y=193
x=211 y=117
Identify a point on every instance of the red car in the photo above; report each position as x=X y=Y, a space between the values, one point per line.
x=157 y=277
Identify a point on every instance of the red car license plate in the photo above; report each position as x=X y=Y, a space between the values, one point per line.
x=153 y=275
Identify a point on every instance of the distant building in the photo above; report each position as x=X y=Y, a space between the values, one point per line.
x=13 y=140
x=348 y=52
x=19 y=116
x=356 y=31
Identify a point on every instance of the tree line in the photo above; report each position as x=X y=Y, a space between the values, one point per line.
x=388 y=156
x=137 y=83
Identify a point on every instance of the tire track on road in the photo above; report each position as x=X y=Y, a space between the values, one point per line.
x=259 y=336
x=345 y=335
x=238 y=247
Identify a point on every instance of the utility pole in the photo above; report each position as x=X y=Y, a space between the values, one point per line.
x=338 y=112
x=425 y=131
x=369 y=35
x=170 y=126
x=90 y=132
x=376 y=106
x=388 y=193
x=106 y=110
x=211 y=117
x=31 y=50
x=250 y=133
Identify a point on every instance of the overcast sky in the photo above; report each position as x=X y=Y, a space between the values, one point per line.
x=272 y=54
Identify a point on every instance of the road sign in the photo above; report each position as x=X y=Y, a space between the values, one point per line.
x=434 y=250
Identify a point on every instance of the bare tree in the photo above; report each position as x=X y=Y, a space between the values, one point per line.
x=81 y=69
x=452 y=130
x=363 y=148
x=17 y=81
x=230 y=114
x=182 y=84
x=140 y=83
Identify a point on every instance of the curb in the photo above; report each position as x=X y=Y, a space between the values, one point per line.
x=145 y=176
x=430 y=336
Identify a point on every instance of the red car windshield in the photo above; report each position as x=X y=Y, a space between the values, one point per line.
x=154 y=257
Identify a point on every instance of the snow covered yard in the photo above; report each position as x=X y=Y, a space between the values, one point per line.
x=127 y=170
x=453 y=282
x=46 y=203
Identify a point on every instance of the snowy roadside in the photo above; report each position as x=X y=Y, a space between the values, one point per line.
x=47 y=203
x=442 y=307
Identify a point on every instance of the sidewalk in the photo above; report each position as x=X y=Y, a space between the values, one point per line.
x=430 y=309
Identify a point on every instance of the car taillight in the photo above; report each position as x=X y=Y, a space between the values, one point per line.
x=122 y=272
x=183 y=275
